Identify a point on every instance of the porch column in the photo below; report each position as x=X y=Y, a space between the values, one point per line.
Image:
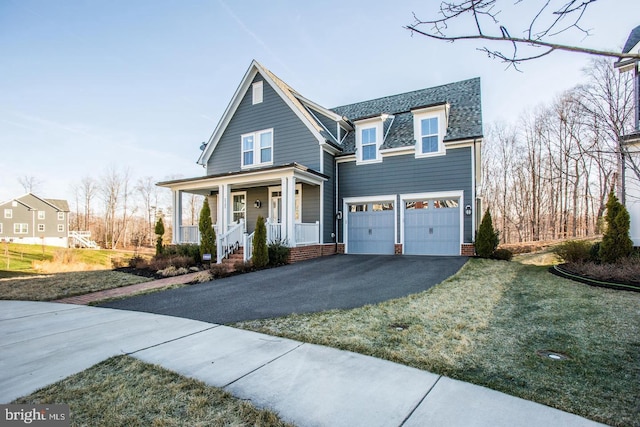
x=177 y=216
x=291 y=211
x=224 y=193
x=284 y=202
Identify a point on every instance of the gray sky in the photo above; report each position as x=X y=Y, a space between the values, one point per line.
x=87 y=85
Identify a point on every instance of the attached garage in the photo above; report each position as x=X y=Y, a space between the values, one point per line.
x=371 y=227
x=432 y=226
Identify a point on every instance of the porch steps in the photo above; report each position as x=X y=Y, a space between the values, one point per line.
x=230 y=262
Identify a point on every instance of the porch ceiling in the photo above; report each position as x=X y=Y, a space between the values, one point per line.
x=246 y=179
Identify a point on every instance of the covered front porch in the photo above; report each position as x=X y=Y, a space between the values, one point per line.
x=288 y=197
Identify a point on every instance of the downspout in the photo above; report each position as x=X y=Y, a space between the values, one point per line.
x=474 y=190
x=335 y=210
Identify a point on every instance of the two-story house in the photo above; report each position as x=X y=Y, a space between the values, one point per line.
x=397 y=174
x=30 y=219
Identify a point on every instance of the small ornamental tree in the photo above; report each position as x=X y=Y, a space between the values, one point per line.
x=616 y=243
x=487 y=238
x=207 y=233
x=260 y=253
x=159 y=230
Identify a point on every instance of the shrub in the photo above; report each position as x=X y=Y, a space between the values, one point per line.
x=159 y=230
x=172 y=271
x=137 y=261
x=202 y=277
x=487 y=238
x=502 y=254
x=189 y=250
x=207 y=233
x=278 y=253
x=64 y=256
x=594 y=253
x=243 y=267
x=616 y=243
x=574 y=251
x=218 y=271
x=260 y=254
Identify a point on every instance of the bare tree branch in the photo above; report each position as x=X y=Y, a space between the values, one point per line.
x=559 y=19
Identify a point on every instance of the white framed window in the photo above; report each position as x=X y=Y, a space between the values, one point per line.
x=369 y=144
x=60 y=216
x=41 y=214
x=430 y=125
x=60 y=228
x=257 y=92
x=8 y=213
x=239 y=205
x=1 y=228
x=257 y=148
x=20 y=228
x=41 y=228
x=368 y=141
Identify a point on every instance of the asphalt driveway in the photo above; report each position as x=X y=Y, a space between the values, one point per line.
x=339 y=281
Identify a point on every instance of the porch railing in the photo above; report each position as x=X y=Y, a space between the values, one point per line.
x=307 y=233
x=230 y=241
x=248 y=246
x=189 y=234
x=274 y=232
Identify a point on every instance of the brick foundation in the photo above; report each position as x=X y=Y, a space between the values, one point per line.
x=303 y=253
x=397 y=248
x=467 y=249
x=340 y=248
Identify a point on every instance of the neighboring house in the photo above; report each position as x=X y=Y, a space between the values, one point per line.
x=33 y=220
x=632 y=140
x=397 y=174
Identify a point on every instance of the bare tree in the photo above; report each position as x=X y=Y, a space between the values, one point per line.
x=479 y=20
x=30 y=183
x=88 y=188
x=149 y=194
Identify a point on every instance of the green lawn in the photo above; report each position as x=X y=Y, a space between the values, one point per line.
x=123 y=391
x=486 y=324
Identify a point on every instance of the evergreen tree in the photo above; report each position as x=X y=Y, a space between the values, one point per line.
x=487 y=238
x=260 y=255
x=159 y=230
x=616 y=243
x=207 y=233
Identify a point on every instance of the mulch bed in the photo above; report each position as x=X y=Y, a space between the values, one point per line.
x=566 y=271
x=144 y=272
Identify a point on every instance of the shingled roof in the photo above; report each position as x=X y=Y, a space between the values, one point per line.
x=633 y=40
x=465 y=114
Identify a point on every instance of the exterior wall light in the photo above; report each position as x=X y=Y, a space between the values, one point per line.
x=467 y=210
x=257 y=204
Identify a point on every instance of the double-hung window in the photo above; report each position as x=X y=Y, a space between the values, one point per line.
x=429 y=135
x=19 y=228
x=369 y=144
x=41 y=214
x=257 y=148
x=8 y=213
x=430 y=126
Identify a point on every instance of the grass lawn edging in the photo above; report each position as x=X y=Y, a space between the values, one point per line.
x=559 y=271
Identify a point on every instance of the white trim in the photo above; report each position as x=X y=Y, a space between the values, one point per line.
x=41 y=215
x=298 y=195
x=8 y=213
x=20 y=229
x=256 y=150
x=238 y=95
x=320 y=214
x=439 y=113
x=60 y=216
x=257 y=92
x=459 y=194
x=239 y=193
x=346 y=201
x=41 y=226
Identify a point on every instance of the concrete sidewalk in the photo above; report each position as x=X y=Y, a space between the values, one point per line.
x=308 y=385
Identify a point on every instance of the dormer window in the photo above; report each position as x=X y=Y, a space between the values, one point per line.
x=257 y=148
x=256 y=92
x=369 y=144
x=429 y=126
x=369 y=138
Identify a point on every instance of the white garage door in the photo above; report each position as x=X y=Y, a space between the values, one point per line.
x=370 y=228
x=432 y=227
